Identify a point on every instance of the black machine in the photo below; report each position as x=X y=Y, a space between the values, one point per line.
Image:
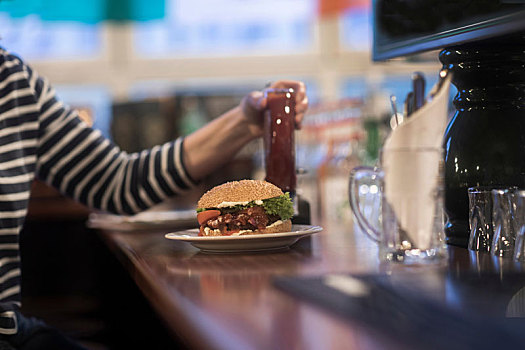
x=482 y=43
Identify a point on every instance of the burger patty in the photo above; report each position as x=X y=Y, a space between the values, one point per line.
x=252 y=218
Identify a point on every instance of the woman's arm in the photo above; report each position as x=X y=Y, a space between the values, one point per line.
x=82 y=164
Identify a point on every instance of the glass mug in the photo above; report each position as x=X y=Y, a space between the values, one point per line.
x=410 y=188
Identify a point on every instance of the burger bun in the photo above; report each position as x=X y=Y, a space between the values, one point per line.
x=239 y=191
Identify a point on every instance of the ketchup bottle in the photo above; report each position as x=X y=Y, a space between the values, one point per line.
x=279 y=143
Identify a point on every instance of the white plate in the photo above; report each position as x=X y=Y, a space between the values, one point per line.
x=246 y=243
x=170 y=220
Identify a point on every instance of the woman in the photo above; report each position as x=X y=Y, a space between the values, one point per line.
x=42 y=138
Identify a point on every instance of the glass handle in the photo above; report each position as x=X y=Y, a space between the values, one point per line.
x=355 y=188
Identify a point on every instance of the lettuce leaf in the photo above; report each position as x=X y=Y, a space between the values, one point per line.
x=281 y=206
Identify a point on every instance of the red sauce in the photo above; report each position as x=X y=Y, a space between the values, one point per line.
x=279 y=144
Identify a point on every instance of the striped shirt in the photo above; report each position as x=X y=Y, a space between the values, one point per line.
x=41 y=137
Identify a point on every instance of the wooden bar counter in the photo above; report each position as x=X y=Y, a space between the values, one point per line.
x=230 y=301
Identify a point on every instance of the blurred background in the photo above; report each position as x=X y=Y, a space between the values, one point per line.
x=147 y=71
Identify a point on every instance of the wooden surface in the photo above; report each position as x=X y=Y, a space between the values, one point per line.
x=47 y=203
x=215 y=301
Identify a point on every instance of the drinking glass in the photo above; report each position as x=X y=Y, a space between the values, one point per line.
x=480 y=218
x=410 y=185
x=503 y=214
x=519 y=226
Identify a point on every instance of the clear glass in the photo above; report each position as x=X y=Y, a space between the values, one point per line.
x=410 y=184
x=519 y=226
x=480 y=218
x=503 y=214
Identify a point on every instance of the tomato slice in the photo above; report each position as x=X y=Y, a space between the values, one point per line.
x=206 y=215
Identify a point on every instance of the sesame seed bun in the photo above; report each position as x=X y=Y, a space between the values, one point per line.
x=239 y=191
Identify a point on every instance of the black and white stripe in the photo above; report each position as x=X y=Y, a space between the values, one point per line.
x=41 y=137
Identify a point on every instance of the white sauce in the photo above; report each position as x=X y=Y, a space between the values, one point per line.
x=232 y=204
x=241 y=232
x=278 y=222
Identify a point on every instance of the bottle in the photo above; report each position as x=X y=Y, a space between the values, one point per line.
x=279 y=143
x=279 y=148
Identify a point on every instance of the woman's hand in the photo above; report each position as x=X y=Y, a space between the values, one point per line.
x=254 y=104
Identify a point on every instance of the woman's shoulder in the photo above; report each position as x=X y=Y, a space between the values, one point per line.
x=9 y=60
x=13 y=67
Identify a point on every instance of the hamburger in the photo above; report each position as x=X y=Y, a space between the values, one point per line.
x=243 y=208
